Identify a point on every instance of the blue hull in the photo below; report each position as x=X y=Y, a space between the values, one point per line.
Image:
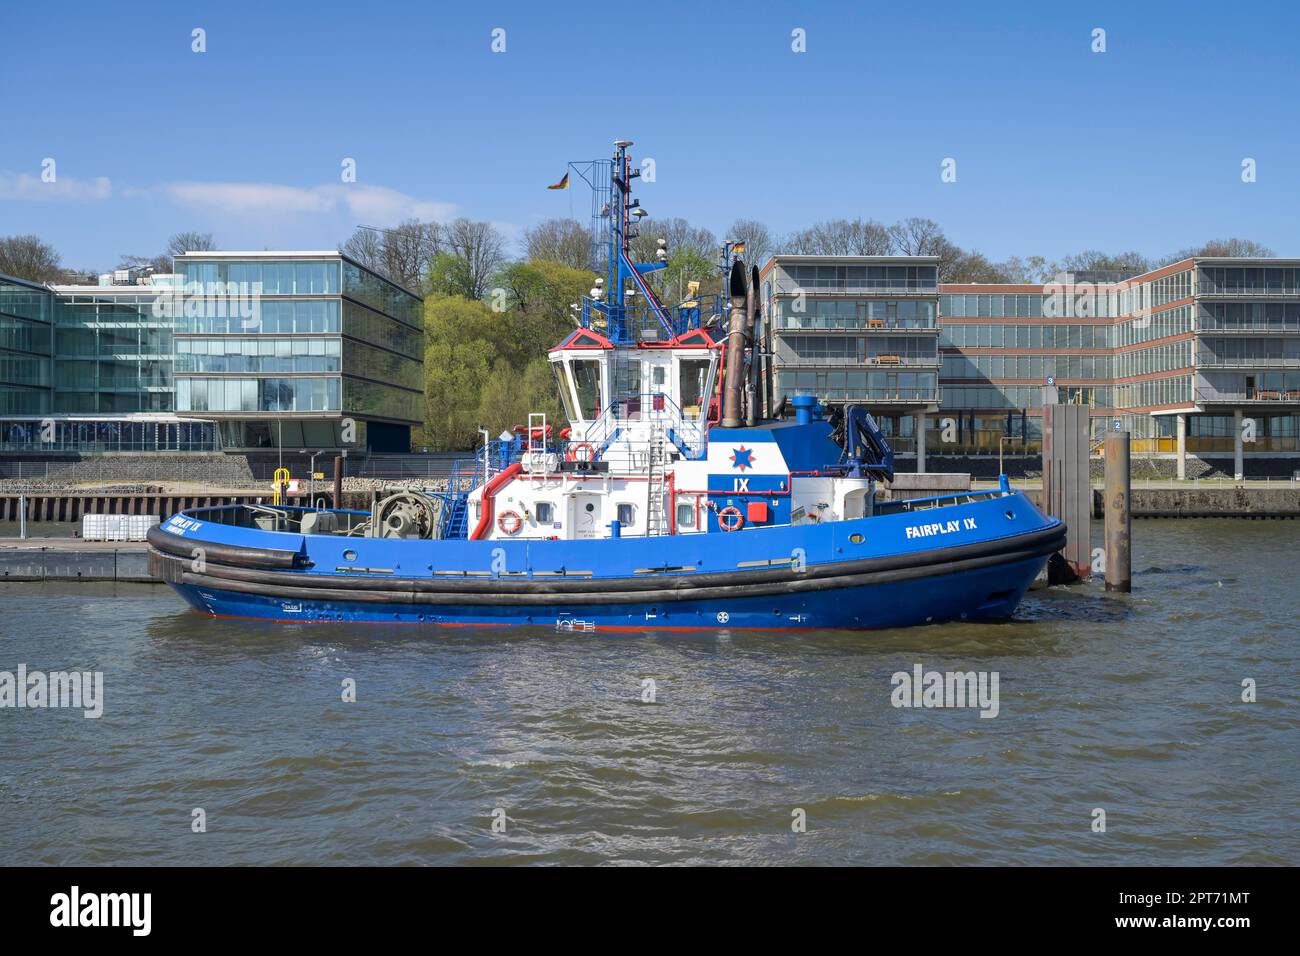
x=967 y=560
x=985 y=594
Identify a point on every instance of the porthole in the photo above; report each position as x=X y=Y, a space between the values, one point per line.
x=349 y=555
x=856 y=538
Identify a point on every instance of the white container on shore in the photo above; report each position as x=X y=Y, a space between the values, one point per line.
x=116 y=527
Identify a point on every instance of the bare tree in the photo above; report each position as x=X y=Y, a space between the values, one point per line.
x=842 y=237
x=680 y=236
x=919 y=237
x=480 y=250
x=1228 y=248
x=1026 y=271
x=28 y=257
x=1094 y=260
x=759 y=241
x=183 y=242
x=402 y=254
x=566 y=241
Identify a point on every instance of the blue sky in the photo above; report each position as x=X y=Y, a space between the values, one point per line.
x=1058 y=148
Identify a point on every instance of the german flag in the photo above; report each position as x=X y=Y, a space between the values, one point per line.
x=738 y=248
x=562 y=184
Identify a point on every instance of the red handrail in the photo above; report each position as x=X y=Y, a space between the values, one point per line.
x=485 y=504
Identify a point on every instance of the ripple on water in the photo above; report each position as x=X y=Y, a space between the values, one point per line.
x=1130 y=703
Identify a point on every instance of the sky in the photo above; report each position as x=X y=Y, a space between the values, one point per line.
x=1057 y=148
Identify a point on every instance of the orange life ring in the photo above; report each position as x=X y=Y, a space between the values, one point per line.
x=573 y=452
x=509 y=522
x=737 y=519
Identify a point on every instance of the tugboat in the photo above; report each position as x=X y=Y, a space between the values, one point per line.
x=666 y=503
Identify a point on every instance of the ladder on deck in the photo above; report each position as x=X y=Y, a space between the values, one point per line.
x=535 y=456
x=656 y=482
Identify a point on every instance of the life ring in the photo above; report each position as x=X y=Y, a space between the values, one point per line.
x=730 y=519
x=509 y=522
x=573 y=452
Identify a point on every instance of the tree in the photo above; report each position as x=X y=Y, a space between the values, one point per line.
x=28 y=257
x=509 y=396
x=760 y=244
x=179 y=244
x=679 y=234
x=461 y=350
x=403 y=254
x=842 y=237
x=975 y=267
x=1025 y=271
x=449 y=276
x=919 y=237
x=566 y=241
x=479 y=249
x=183 y=242
x=1229 y=248
x=1094 y=260
x=684 y=266
x=537 y=302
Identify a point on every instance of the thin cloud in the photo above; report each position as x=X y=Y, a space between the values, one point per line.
x=377 y=204
x=21 y=186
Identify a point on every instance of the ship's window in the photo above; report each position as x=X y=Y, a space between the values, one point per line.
x=626 y=515
x=686 y=516
x=566 y=394
x=545 y=515
x=660 y=374
x=694 y=375
x=586 y=376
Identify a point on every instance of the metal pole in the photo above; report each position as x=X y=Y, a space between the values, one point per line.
x=22 y=516
x=1119 y=523
x=338 y=481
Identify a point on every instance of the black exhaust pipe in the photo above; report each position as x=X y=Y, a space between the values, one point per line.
x=734 y=371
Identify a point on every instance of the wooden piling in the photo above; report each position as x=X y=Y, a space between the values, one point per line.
x=1119 y=523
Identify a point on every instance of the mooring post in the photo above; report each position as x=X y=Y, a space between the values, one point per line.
x=1119 y=524
x=338 y=481
x=1067 y=488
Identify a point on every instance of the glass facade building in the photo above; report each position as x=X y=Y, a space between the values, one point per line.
x=856 y=329
x=241 y=351
x=1180 y=355
x=299 y=350
x=26 y=334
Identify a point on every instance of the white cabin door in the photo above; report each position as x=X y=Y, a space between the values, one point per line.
x=584 y=516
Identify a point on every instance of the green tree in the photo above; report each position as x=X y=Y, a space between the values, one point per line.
x=450 y=276
x=538 y=300
x=460 y=353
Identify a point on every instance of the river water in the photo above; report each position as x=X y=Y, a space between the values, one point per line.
x=1129 y=704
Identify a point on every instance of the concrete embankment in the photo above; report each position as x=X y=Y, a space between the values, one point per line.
x=1229 y=502
x=71 y=559
x=1194 y=502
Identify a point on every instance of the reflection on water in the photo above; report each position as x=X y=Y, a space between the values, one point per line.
x=1126 y=702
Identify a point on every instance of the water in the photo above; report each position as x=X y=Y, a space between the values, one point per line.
x=1126 y=703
